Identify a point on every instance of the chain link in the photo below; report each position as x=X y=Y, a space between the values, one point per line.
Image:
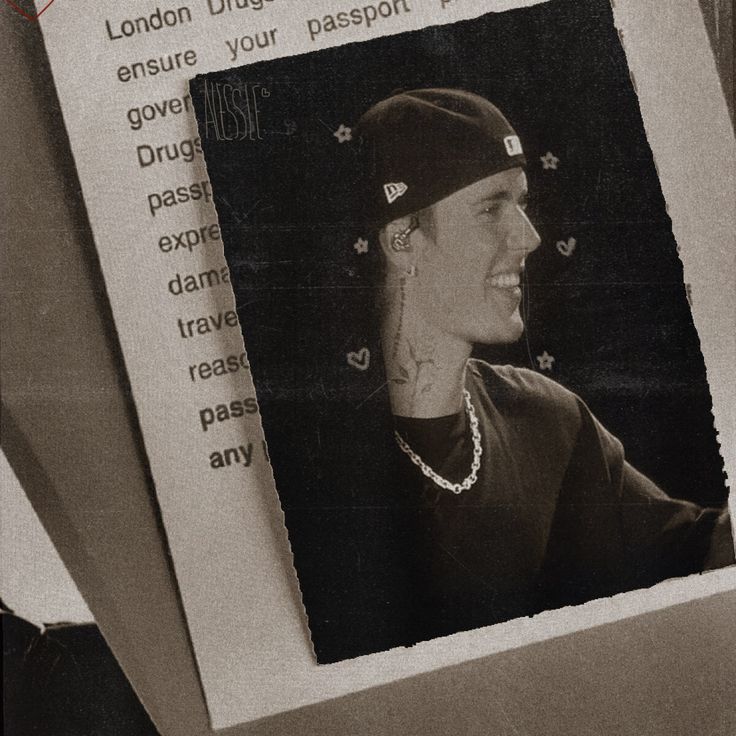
x=456 y=488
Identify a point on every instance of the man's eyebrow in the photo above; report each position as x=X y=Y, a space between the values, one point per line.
x=499 y=196
x=502 y=195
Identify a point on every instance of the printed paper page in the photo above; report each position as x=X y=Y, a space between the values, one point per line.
x=122 y=77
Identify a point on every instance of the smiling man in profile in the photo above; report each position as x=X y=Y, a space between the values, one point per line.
x=524 y=500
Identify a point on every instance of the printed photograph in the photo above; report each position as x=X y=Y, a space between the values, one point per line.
x=481 y=389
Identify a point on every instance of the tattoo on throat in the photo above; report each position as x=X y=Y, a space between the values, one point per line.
x=412 y=374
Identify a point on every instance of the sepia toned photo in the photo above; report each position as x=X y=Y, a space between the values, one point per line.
x=465 y=317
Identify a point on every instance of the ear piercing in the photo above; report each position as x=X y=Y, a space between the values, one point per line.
x=400 y=241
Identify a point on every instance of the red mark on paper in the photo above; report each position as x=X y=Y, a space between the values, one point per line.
x=26 y=14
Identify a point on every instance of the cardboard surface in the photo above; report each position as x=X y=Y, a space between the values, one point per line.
x=69 y=430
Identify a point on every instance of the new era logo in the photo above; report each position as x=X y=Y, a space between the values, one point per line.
x=394 y=190
x=513 y=145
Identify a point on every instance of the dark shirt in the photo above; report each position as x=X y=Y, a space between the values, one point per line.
x=556 y=517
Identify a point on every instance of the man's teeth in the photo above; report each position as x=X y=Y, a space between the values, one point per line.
x=505 y=280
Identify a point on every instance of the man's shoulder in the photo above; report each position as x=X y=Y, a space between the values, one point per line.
x=521 y=388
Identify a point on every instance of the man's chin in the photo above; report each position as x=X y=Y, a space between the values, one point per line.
x=503 y=335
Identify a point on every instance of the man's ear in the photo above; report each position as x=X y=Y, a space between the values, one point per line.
x=399 y=241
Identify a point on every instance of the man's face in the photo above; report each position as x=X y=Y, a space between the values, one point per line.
x=469 y=264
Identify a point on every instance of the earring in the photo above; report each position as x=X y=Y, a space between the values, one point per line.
x=400 y=241
x=412 y=270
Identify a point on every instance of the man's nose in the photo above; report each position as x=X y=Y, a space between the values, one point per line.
x=525 y=236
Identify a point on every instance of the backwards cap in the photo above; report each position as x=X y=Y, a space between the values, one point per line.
x=422 y=145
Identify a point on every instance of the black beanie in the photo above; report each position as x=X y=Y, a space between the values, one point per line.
x=420 y=146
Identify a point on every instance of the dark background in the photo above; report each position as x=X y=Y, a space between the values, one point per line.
x=614 y=314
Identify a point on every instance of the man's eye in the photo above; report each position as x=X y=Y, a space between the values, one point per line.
x=492 y=211
x=523 y=202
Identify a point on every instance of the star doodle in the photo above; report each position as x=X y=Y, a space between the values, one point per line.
x=545 y=361
x=567 y=247
x=549 y=161
x=361 y=246
x=343 y=133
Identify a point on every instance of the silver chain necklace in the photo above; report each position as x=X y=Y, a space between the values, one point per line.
x=477 y=452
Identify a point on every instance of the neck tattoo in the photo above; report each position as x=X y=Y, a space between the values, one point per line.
x=402 y=306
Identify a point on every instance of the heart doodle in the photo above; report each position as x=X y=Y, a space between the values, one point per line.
x=360 y=359
x=25 y=13
x=567 y=247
